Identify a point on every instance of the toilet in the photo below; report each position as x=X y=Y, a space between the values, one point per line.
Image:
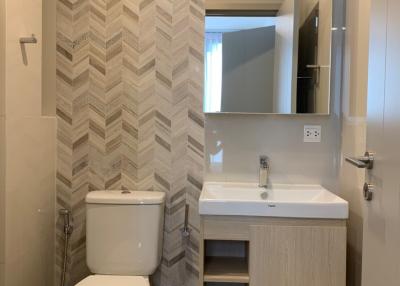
x=124 y=233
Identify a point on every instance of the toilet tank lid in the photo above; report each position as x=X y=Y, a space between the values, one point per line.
x=122 y=197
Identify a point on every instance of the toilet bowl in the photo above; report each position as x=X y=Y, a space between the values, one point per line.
x=124 y=233
x=112 y=280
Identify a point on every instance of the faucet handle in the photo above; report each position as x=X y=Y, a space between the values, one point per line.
x=264 y=161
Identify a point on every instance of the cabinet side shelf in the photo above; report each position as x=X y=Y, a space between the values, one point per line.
x=226 y=269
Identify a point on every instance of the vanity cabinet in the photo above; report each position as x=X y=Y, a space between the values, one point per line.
x=274 y=251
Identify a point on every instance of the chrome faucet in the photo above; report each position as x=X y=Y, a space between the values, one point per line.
x=263 y=172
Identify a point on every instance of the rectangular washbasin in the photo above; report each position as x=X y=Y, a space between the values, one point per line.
x=247 y=199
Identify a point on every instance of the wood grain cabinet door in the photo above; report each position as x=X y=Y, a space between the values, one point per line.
x=297 y=256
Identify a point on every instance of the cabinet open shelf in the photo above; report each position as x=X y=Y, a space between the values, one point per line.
x=226 y=269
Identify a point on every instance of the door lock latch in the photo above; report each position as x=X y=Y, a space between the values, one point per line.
x=368 y=191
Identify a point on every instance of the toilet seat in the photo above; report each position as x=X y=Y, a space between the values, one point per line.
x=114 y=280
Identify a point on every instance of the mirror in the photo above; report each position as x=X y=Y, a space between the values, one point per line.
x=269 y=61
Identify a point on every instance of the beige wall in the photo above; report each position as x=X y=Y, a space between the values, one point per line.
x=2 y=55
x=27 y=155
x=30 y=190
x=2 y=200
x=49 y=58
x=2 y=140
x=23 y=63
x=354 y=127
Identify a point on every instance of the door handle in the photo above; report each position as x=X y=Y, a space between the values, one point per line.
x=363 y=162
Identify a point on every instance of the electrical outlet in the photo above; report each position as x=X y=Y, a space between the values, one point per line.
x=312 y=133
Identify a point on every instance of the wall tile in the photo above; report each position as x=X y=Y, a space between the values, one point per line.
x=129 y=107
x=235 y=142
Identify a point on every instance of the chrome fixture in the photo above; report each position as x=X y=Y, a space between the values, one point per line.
x=186 y=230
x=363 y=162
x=264 y=195
x=368 y=191
x=263 y=172
x=67 y=220
x=28 y=40
x=67 y=232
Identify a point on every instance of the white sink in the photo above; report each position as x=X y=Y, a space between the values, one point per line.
x=247 y=199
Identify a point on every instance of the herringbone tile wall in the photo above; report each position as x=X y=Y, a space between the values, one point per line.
x=129 y=107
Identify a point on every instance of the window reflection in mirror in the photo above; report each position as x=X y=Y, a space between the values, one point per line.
x=278 y=62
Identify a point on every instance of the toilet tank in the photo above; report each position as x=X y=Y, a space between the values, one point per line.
x=124 y=232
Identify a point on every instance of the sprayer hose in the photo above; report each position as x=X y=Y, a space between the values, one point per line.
x=64 y=269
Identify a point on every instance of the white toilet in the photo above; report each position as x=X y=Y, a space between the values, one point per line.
x=124 y=234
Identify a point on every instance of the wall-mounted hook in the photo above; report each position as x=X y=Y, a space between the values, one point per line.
x=28 y=40
x=22 y=42
x=186 y=230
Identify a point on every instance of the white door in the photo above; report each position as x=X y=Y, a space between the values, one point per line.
x=381 y=240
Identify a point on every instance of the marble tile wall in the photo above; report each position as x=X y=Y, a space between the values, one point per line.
x=129 y=108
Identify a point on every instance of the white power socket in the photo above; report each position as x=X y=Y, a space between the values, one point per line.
x=312 y=133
